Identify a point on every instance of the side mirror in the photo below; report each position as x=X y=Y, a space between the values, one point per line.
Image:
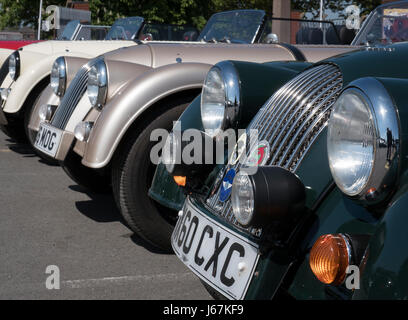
x=272 y=38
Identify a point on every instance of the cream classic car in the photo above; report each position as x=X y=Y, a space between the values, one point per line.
x=102 y=138
x=30 y=67
x=74 y=30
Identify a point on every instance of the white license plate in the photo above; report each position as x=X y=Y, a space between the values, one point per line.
x=222 y=258
x=48 y=139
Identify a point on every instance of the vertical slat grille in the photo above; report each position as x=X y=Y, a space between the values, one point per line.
x=72 y=96
x=290 y=121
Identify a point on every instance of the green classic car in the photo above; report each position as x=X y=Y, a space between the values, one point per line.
x=314 y=207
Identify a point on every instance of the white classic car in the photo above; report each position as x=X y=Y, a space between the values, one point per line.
x=30 y=67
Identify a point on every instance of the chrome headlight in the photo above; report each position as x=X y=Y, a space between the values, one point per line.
x=242 y=198
x=220 y=98
x=98 y=84
x=14 y=65
x=363 y=140
x=58 y=78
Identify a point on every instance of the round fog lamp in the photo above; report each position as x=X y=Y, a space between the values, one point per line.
x=270 y=196
x=242 y=198
x=5 y=93
x=170 y=152
x=83 y=130
x=198 y=162
x=329 y=258
x=45 y=112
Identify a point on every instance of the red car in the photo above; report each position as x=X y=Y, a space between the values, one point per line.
x=16 y=44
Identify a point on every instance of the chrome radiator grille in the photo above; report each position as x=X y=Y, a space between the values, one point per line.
x=72 y=96
x=290 y=121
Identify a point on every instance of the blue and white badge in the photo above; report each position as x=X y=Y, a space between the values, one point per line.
x=226 y=185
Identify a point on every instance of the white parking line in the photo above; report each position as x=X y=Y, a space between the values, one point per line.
x=88 y=283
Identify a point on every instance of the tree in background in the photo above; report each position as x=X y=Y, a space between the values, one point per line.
x=15 y=13
x=197 y=12
x=194 y=12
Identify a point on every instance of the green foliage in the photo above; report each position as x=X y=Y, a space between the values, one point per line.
x=23 y=12
x=193 y=12
x=165 y=11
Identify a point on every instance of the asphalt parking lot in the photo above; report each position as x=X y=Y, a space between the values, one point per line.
x=47 y=220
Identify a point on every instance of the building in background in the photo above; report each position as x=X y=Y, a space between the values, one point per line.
x=74 y=10
x=79 y=5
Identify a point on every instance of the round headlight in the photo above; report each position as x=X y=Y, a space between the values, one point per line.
x=351 y=142
x=362 y=140
x=220 y=98
x=98 y=84
x=58 y=78
x=14 y=65
x=242 y=198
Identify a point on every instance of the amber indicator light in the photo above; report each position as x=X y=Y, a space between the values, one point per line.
x=181 y=181
x=329 y=259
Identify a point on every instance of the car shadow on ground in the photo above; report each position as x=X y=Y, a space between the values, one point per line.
x=102 y=208
x=27 y=151
x=21 y=148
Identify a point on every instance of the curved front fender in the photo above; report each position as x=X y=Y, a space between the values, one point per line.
x=29 y=79
x=385 y=272
x=258 y=83
x=132 y=100
x=47 y=97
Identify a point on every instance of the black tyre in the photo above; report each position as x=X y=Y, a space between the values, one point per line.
x=93 y=180
x=14 y=131
x=17 y=128
x=132 y=175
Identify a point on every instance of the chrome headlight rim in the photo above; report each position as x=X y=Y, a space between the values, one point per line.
x=14 y=65
x=232 y=96
x=387 y=132
x=236 y=198
x=59 y=76
x=98 y=78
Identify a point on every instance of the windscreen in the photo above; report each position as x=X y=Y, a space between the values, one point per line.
x=89 y=32
x=387 y=24
x=235 y=26
x=125 y=29
x=298 y=31
x=155 y=31
x=69 y=30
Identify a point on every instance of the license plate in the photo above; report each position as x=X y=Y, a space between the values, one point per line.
x=222 y=258
x=48 y=139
